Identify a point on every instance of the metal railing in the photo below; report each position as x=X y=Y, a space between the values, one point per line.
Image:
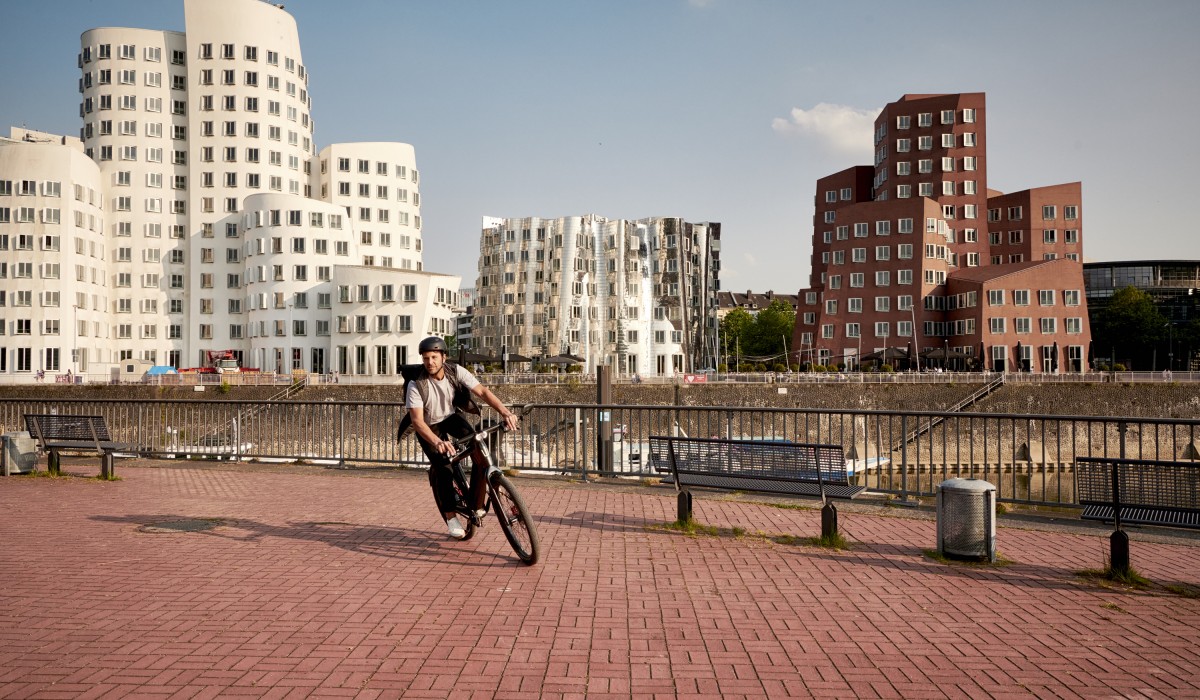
x=571 y=379
x=1030 y=458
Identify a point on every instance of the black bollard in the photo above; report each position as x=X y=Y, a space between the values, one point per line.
x=684 y=512
x=828 y=521
x=1118 y=548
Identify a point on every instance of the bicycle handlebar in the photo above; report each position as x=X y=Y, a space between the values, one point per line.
x=463 y=445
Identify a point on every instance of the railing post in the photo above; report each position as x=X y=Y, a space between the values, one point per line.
x=342 y=434
x=904 y=459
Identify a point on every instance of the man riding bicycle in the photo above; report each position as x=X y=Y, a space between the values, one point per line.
x=432 y=399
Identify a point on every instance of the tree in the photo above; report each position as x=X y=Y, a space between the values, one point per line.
x=735 y=328
x=1130 y=325
x=772 y=325
x=764 y=335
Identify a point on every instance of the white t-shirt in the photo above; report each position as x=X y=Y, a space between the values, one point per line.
x=441 y=395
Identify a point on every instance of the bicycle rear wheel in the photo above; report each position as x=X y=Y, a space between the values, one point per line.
x=515 y=520
x=460 y=498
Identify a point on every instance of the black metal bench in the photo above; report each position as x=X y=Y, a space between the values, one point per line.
x=786 y=468
x=64 y=433
x=1137 y=491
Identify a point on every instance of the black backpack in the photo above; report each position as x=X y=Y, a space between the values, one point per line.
x=463 y=400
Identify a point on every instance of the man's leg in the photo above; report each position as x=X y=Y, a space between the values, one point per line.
x=441 y=478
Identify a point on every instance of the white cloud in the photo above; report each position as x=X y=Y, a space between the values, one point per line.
x=837 y=128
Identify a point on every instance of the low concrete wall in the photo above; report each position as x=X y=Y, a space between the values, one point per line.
x=1137 y=400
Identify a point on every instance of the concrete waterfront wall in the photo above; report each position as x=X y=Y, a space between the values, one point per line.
x=1166 y=400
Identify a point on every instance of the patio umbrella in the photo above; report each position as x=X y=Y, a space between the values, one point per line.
x=982 y=357
x=472 y=357
x=561 y=360
x=1020 y=363
x=944 y=354
x=911 y=356
x=1054 y=357
x=1091 y=357
x=886 y=355
x=515 y=357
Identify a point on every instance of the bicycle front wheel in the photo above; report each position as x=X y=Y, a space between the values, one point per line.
x=515 y=520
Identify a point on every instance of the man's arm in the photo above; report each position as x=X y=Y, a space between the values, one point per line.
x=484 y=393
x=426 y=433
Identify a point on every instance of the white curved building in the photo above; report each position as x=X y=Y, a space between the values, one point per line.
x=378 y=184
x=54 y=296
x=219 y=217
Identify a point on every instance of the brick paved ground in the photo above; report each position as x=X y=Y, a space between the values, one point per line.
x=330 y=584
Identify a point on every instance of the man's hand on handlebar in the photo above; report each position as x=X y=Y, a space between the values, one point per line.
x=511 y=421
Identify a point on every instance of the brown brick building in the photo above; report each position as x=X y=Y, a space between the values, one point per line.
x=916 y=251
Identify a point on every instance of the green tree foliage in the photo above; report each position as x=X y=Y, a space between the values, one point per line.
x=772 y=325
x=734 y=330
x=761 y=335
x=1131 y=325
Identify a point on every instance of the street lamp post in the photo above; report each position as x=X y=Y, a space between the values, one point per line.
x=75 y=341
x=1170 y=346
x=912 y=309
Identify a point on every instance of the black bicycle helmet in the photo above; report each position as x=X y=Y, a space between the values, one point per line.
x=431 y=344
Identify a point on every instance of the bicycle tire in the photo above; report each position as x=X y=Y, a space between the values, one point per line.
x=460 y=495
x=515 y=520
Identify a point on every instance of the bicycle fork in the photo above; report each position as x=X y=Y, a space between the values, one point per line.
x=482 y=470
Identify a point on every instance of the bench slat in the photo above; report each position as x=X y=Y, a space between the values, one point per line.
x=750 y=465
x=1141 y=515
x=1153 y=492
x=768 y=485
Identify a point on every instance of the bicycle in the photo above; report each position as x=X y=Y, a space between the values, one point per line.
x=500 y=495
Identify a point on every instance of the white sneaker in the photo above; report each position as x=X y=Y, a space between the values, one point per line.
x=455 y=528
x=480 y=513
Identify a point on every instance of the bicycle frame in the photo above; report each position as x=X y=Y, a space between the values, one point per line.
x=482 y=468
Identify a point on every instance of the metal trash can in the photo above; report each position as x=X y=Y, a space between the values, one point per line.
x=966 y=519
x=18 y=453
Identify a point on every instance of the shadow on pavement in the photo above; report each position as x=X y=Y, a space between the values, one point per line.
x=374 y=540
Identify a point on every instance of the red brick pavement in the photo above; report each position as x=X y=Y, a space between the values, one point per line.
x=326 y=584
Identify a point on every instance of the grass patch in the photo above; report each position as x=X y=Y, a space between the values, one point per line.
x=834 y=541
x=940 y=558
x=43 y=474
x=1114 y=607
x=36 y=474
x=690 y=528
x=787 y=506
x=1128 y=578
x=1183 y=590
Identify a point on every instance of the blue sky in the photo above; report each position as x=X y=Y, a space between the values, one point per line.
x=710 y=110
